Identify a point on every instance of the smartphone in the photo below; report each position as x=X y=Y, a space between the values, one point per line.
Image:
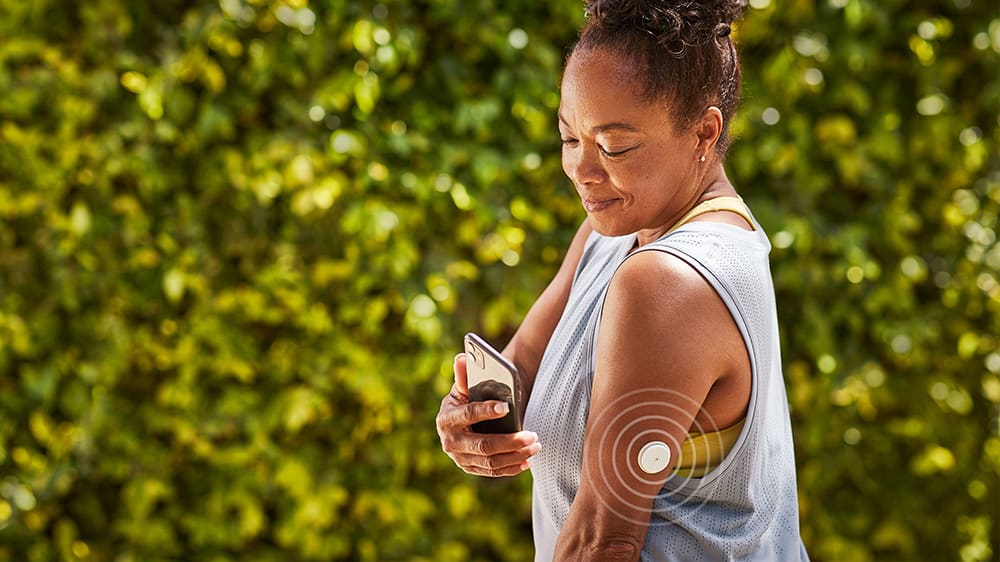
x=492 y=377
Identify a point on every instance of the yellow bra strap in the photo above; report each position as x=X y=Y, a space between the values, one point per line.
x=731 y=204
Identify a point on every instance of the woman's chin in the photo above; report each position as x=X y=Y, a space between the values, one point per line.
x=605 y=228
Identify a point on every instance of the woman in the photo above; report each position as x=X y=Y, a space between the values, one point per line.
x=657 y=425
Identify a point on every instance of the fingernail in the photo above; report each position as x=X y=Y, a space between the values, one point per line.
x=501 y=408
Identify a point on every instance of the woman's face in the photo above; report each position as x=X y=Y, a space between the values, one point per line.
x=633 y=171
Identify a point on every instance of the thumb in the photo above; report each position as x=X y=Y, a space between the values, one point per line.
x=461 y=375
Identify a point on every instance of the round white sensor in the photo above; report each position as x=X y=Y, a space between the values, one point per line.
x=654 y=457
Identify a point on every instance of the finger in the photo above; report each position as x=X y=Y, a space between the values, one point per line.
x=464 y=415
x=446 y=416
x=453 y=398
x=498 y=462
x=509 y=470
x=484 y=445
x=461 y=375
x=506 y=471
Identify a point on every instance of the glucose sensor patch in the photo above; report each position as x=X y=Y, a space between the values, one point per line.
x=654 y=457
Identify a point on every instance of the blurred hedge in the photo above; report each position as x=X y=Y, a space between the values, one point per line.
x=240 y=241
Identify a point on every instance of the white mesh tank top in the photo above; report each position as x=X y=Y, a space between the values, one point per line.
x=744 y=509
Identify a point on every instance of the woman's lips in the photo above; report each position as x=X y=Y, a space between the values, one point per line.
x=595 y=205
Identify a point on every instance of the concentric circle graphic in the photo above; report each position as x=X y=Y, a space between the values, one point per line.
x=632 y=420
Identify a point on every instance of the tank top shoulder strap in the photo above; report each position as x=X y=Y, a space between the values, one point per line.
x=731 y=204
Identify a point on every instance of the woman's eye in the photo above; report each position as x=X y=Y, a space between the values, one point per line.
x=569 y=142
x=614 y=153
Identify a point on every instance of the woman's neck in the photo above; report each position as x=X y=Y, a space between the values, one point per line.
x=715 y=184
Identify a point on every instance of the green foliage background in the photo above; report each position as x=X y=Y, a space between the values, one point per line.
x=240 y=242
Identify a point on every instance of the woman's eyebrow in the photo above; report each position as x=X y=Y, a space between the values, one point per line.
x=614 y=126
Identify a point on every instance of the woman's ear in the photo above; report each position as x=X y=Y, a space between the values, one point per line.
x=708 y=128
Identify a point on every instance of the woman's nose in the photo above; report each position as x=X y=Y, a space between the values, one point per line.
x=584 y=166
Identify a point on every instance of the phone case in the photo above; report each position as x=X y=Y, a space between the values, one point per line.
x=492 y=377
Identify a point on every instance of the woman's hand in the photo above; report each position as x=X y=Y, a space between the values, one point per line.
x=480 y=453
x=507 y=454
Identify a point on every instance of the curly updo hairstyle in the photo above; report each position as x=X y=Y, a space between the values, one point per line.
x=682 y=52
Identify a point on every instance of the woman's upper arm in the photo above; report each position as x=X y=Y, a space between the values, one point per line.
x=525 y=349
x=658 y=356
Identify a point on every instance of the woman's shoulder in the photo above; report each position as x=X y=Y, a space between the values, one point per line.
x=660 y=280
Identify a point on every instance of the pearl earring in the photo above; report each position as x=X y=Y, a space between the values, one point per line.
x=702 y=159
